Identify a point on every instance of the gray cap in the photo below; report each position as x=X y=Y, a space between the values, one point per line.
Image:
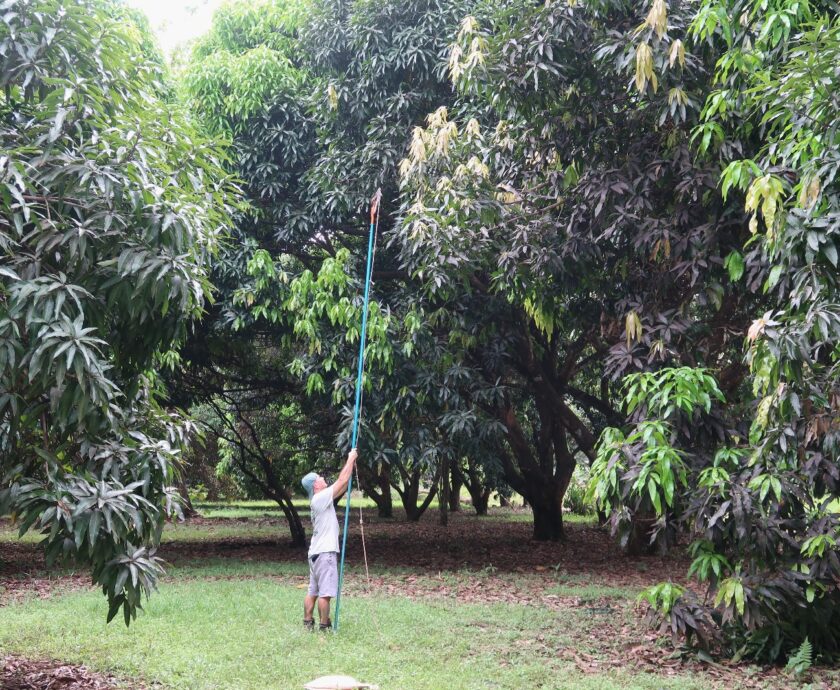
x=308 y=483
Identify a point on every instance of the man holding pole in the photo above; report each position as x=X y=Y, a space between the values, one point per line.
x=324 y=547
x=324 y=582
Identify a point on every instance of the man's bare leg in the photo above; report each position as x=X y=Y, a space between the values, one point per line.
x=309 y=608
x=324 y=610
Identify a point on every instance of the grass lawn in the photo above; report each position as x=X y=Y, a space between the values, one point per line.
x=228 y=613
x=190 y=532
x=268 y=509
x=246 y=633
x=254 y=509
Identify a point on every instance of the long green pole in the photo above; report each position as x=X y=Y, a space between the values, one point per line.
x=374 y=215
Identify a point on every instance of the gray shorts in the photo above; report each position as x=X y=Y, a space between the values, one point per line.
x=323 y=574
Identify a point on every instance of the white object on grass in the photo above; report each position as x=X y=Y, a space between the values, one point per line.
x=338 y=683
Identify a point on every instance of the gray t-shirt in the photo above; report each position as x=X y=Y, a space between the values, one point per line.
x=324 y=523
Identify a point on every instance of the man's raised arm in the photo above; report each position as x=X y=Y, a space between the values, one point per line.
x=340 y=485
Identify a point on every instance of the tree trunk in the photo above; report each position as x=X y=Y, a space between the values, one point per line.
x=272 y=489
x=547 y=503
x=444 y=492
x=186 y=503
x=203 y=461
x=479 y=493
x=385 y=507
x=455 y=494
x=481 y=501
x=410 y=492
x=543 y=468
x=548 y=523
x=293 y=518
x=212 y=491
x=381 y=495
x=638 y=540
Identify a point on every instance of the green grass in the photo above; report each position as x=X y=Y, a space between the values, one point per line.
x=235 y=623
x=238 y=509
x=593 y=592
x=230 y=568
x=258 y=509
x=190 y=532
x=203 y=634
x=181 y=532
x=527 y=516
x=248 y=521
x=9 y=534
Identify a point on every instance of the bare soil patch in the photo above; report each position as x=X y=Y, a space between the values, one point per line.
x=469 y=543
x=17 y=673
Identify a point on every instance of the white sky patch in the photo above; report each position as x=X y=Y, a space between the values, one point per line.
x=176 y=22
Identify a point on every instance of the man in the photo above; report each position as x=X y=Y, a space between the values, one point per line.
x=323 y=550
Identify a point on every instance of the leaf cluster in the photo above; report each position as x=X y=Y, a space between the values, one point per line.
x=112 y=205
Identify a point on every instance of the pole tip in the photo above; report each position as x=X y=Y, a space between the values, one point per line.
x=375 y=200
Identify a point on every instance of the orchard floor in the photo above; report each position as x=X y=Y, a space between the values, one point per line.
x=475 y=605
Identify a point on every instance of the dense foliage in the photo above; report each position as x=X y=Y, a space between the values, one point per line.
x=765 y=511
x=761 y=502
x=609 y=236
x=495 y=344
x=317 y=126
x=111 y=207
x=572 y=210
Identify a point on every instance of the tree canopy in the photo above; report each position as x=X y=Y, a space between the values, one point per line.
x=579 y=199
x=112 y=206
x=608 y=237
x=765 y=511
x=328 y=131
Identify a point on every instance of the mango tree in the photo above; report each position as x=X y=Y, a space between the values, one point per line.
x=318 y=100
x=112 y=205
x=763 y=506
x=564 y=235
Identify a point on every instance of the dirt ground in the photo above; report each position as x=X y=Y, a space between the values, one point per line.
x=25 y=674
x=497 y=550
x=467 y=543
